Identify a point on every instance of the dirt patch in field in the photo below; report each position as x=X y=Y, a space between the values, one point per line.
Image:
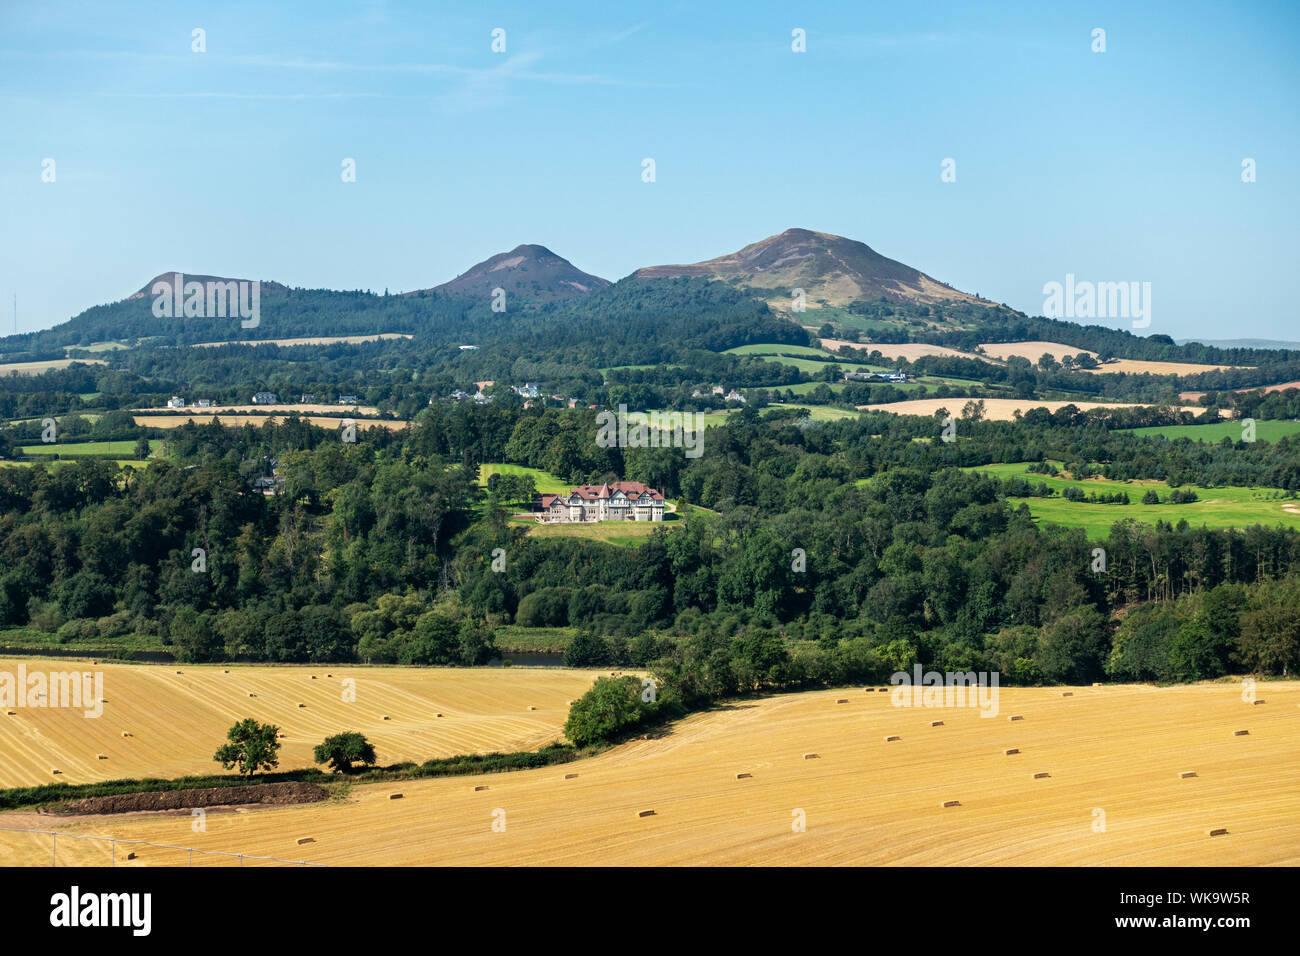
x=269 y=794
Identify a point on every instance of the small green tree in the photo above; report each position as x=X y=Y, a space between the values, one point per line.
x=252 y=747
x=342 y=751
x=611 y=706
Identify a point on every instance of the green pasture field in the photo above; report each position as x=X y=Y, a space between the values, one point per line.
x=1269 y=431
x=544 y=481
x=72 y=449
x=1228 y=507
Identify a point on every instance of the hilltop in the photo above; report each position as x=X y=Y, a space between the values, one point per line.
x=832 y=270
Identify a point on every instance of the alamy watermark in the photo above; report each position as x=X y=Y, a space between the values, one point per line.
x=651 y=430
x=176 y=298
x=1098 y=300
x=951 y=689
x=81 y=690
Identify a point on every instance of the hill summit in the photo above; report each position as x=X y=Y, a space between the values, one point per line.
x=528 y=271
x=828 y=268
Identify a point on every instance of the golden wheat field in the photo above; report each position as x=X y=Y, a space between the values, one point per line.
x=910 y=351
x=1000 y=409
x=36 y=368
x=177 y=720
x=301 y=409
x=309 y=340
x=236 y=420
x=1033 y=351
x=1114 y=793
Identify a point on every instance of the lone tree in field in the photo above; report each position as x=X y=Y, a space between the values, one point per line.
x=252 y=747
x=611 y=707
x=343 y=750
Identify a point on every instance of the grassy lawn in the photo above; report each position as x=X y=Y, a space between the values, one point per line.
x=632 y=368
x=545 y=482
x=774 y=349
x=98 y=347
x=822 y=413
x=814 y=367
x=59 y=462
x=512 y=639
x=30 y=637
x=124 y=447
x=803 y=388
x=707 y=419
x=963 y=382
x=1268 y=431
x=625 y=534
x=1217 y=507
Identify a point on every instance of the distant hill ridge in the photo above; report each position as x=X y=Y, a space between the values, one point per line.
x=529 y=271
x=830 y=269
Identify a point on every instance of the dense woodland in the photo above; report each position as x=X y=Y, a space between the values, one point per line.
x=815 y=552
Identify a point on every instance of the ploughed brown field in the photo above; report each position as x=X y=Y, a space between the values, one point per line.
x=1093 y=778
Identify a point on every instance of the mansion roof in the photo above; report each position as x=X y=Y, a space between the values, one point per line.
x=609 y=491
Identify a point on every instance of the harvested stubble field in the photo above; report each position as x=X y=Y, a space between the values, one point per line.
x=36 y=368
x=177 y=720
x=1117 y=751
x=309 y=340
x=236 y=420
x=319 y=408
x=1033 y=351
x=908 y=350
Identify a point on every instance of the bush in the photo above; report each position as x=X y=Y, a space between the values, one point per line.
x=547 y=607
x=608 y=710
x=77 y=631
x=587 y=650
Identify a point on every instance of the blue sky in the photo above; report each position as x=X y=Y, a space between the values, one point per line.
x=1115 y=166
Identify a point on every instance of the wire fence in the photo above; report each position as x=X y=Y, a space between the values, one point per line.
x=114 y=843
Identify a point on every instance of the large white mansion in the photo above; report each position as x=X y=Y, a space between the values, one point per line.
x=612 y=501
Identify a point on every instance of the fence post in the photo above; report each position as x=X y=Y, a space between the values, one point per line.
x=189 y=857
x=114 y=852
x=54 y=850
